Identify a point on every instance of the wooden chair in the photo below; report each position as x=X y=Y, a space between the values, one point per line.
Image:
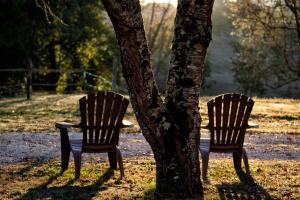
x=228 y=116
x=101 y=120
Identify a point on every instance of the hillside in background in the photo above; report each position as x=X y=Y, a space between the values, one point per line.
x=221 y=78
x=222 y=53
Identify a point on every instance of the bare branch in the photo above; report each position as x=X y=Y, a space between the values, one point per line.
x=151 y=23
x=153 y=39
x=45 y=6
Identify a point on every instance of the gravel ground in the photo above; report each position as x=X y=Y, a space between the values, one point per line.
x=17 y=147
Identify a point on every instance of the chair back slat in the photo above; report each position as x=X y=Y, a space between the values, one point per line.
x=109 y=97
x=228 y=116
x=82 y=106
x=210 y=107
x=114 y=114
x=238 y=131
x=232 y=117
x=119 y=119
x=99 y=115
x=249 y=106
x=91 y=114
x=218 y=106
x=101 y=118
x=226 y=107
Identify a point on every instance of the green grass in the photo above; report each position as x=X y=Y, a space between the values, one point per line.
x=39 y=114
x=270 y=179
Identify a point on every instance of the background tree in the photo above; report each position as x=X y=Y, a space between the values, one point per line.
x=84 y=39
x=170 y=126
x=267 y=47
x=78 y=36
x=19 y=27
x=159 y=27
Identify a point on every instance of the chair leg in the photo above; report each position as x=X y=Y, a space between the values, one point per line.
x=237 y=160
x=245 y=158
x=65 y=157
x=77 y=161
x=65 y=149
x=120 y=161
x=205 y=158
x=112 y=158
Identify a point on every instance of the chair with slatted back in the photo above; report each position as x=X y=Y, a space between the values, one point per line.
x=228 y=116
x=101 y=120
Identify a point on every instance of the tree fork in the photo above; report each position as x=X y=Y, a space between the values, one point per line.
x=172 y=128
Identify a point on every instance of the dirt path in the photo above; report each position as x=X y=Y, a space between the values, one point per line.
x=16 y=147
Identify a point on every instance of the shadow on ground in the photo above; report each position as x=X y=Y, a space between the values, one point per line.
x=246 y=189
x=67 y=191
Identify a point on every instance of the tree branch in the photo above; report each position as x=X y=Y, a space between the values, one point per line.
x=192 y=36
x=135 y=58
x=152 y=40
x=193 y=29
x=295 y=9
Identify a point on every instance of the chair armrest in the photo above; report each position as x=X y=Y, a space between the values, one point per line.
x=252 y=125
x=127 y=124
x=65 y=125
x=204 y=126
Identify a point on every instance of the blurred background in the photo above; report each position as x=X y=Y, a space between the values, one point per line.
x=72 y=47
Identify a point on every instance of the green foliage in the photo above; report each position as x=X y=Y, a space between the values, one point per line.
x=79 y=37
x=61 y=83
x=19 y=29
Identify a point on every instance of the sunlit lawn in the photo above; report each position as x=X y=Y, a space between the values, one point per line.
x=39 y=115
x=276 y=179
x=277 y=115
x=279 y=179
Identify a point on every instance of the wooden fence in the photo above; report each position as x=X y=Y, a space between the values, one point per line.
x=29 y=71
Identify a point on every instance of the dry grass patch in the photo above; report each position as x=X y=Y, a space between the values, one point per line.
x=38 y=115
x=41 y=113
x=271 y=179
x=44 y=181
x=274 y=115
x=277 y=115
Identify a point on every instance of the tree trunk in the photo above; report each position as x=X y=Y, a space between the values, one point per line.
x=171 y=127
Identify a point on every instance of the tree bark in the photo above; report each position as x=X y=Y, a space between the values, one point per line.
x=171 y=127
x=192 y=36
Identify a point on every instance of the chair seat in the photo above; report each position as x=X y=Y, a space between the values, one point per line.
x=229 y=148
x=76 y=146
x=205 y=147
